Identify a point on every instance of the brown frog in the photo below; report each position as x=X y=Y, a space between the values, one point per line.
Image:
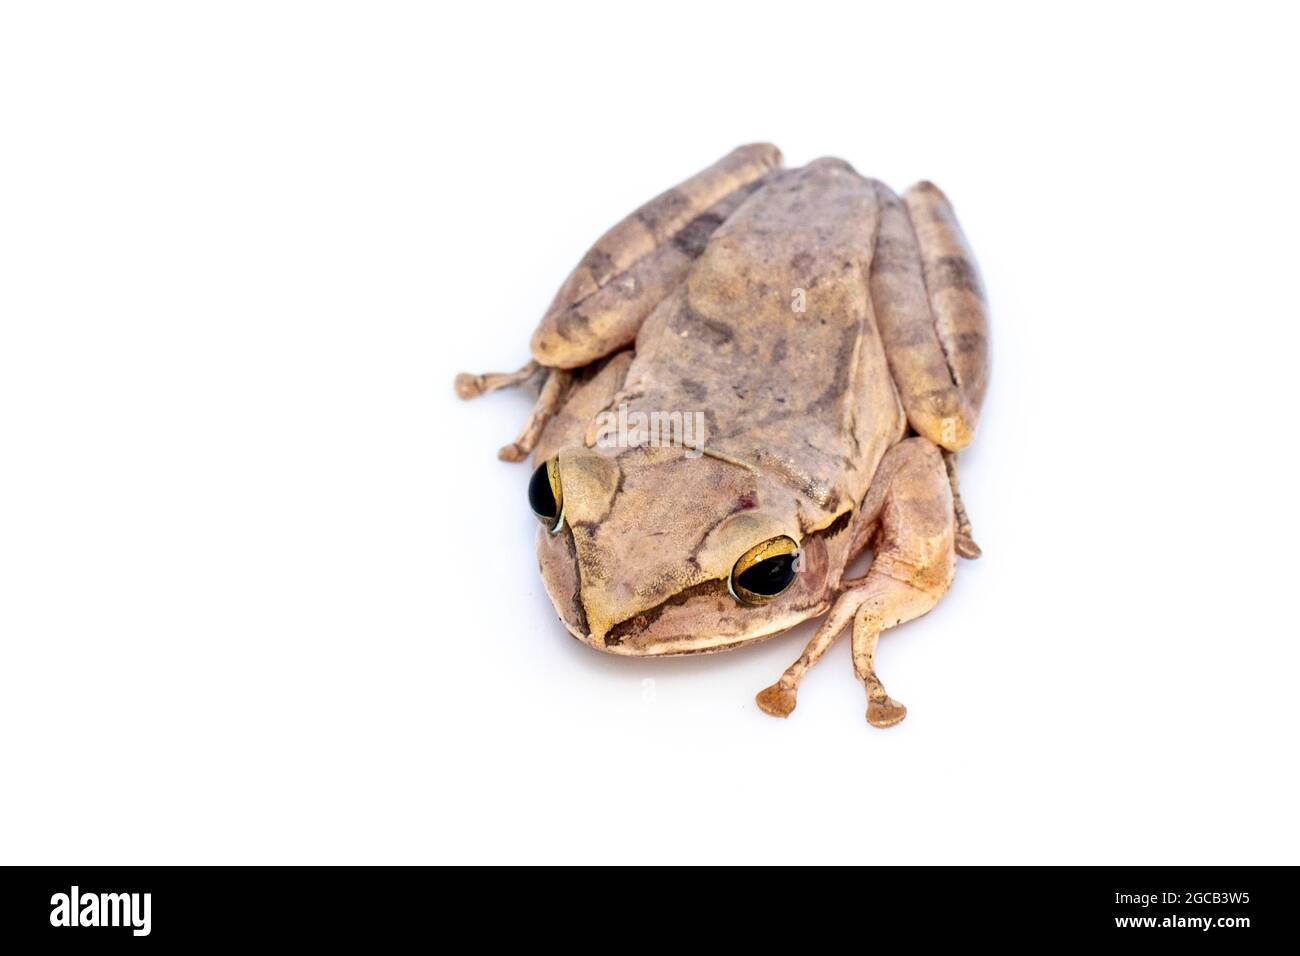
x=829 y=340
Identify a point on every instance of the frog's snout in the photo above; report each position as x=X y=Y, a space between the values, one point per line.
x=558 y=562
x=557 y=559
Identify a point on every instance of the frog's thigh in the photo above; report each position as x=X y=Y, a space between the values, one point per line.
x=634 y=266
x=956 y=293
x=931 y=316
x=914 y=564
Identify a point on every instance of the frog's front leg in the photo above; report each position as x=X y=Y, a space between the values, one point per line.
x=629 y=271
x=933 y=321
x=910 y=504
x=550 y=399
x=589 y=396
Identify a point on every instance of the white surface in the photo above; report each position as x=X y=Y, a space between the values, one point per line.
x=267 y=594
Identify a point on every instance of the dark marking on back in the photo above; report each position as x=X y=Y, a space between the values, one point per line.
x=710 y=331
x=571 y=322
x=841 y=364
x=696 y=233
x=954 y=272
x=801 y=262
x=600 y=265
x=694 y=390
x=893 y=255
x=661 y=209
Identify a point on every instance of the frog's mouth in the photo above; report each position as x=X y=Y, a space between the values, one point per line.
x=702 y=618
x=710 y=591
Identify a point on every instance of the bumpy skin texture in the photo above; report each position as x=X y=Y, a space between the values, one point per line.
x=813 y=318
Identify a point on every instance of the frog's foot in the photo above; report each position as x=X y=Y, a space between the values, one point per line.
x=963 y=543
x=472 y=386
x=778 y=700
x=882 y=710
x=887 y=602
x=885 y=712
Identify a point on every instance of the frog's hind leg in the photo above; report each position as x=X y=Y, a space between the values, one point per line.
x=779 y=699
x=910 y=505
x=639 y=261
x=931 y=312
x=630 y=270
x=964 y=543
x=957 y=299
x=914 y=563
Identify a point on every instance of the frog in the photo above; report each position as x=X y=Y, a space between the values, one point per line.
x=831 y=339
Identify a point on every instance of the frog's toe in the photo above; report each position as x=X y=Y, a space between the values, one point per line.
x=512 y=452
x=885 y=712
x=776 y=700
x=965 y=545
x=469 y=386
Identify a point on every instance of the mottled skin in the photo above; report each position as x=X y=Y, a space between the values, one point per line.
x=834 y=337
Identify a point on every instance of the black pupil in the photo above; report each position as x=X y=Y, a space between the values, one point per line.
x=769 y=577
x=540 y=497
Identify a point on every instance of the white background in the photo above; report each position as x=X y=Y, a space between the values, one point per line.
x=266 y=594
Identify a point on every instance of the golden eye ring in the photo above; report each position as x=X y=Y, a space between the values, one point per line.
x=546 y=495
x=765 y=571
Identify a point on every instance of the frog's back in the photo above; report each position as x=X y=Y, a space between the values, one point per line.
x=773 y=339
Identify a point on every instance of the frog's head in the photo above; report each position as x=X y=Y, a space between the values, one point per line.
x=653 y=551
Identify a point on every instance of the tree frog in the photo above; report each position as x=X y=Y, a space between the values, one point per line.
x=828 y=340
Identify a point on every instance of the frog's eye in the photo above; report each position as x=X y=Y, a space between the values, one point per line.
x=764 y=571
x=545 y=496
